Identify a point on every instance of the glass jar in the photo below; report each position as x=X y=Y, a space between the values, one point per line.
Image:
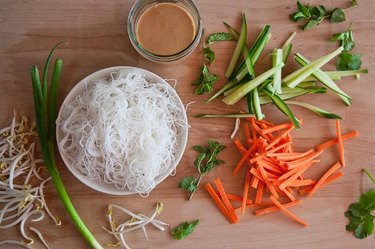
x=139 y=9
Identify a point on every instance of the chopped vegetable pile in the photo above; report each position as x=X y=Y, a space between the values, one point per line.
x=273 y=166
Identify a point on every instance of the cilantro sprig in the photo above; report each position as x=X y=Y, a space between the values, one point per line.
x=184 y=229
x=359 y=214
x=314 y=15
x=205 y=162
x=345 y=38
x=205 y=81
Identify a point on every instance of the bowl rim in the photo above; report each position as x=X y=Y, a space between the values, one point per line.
x=78 y=89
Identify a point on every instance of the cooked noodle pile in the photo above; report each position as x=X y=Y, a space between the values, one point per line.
x=123 y=131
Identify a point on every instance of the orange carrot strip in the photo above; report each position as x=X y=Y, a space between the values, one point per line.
x=262 y=204
x=276 y=208
x=258 y=157
x=218 y=202
x=329 y=180
x=246 y=128
x=339 y=142
x=255 y=182
x=329 y=172
x=253 y=131
x=278 y=138
x=243 y=159
x=299 y=183
x=277 y=128
x=239 y=146
x=267 y=182
x=288 y=192
x=224 y=198
x=294 y=177
x=296 y=163
x=233 y=197
x=334 y=141
x=245 y=190
x=293 y=171
x=287 y=212
x=259 y=194
x=271 y=166
x=291 y=156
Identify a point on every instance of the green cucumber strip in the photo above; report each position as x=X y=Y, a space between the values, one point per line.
x=264 y=99
x=230 y=90
x=277 y=57
x=239 y=46
x=333 y=77
x=248 y=63
x=293 y=79
x=315 y=109
x=345 y=73
x=230 y=115
x=287 y=47
x=325 y=79
x=232 y=31
x=249 y=100
x=247 y=87
x=256 y=104
x=282 y=106
x=221 y=91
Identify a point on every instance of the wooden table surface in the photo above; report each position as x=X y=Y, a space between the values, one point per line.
x=95 y=37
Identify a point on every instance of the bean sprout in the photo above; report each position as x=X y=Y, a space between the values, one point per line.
x=21 y=184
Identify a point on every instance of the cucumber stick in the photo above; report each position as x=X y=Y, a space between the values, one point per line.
x=315 y=109
x=277 y=58
x=287 y=47
x=234 y=97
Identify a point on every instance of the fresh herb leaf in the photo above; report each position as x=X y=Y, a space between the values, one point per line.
x=189 y=184
x=304 y=9
x=346 y=39
x=337 y=15
x=184 y=229
x=361 y=221
x=222 y=36
x=205 y=81
x=346 y=61
x=209 y=54
x=312 y=23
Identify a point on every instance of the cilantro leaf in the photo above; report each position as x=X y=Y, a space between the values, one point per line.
x=222 y=36
x=346 y=39
x=347 y=61
x=209 y=54
x=189 y=184
x=205 y=81
x=367 y=200
x=184 y=229
x=361 y=222
x=337 y=15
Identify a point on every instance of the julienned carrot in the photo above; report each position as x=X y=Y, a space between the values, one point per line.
x=329 y=180
x=218 y=202
x=262 y=204
x=287 y=212
x=267 y=182
x=334 y=141
x=288 y=192
x=246 y=128
x=278 y=138
x=339 y=142
x=243 y=159
x=290 y=156
x=276 y=208
x=259 y=193
x=277 y=128
x=294 y=177
x=233 y=197
x=309 y=157
x=224 y=198
x=329 y=172
x=305 y=182
x=277 y=148
x=245 y=191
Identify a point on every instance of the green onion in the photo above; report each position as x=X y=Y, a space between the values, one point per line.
x=247 y=87
x=315 y=109
x=325 y=79
x=293 y=79
x=46 y=111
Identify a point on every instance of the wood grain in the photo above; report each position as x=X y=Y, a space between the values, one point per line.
x=95 y=37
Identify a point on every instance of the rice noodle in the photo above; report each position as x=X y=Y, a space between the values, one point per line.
x=123 y=131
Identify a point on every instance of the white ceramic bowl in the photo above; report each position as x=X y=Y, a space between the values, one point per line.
x=79 y=89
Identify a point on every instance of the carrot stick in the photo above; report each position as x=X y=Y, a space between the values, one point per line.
x=289 y=193
x=233 y=197
x=246 y=128
x=294 y=177
x=243 y=159
x=287 y=212
x=267 y=182
x=224 y=198
x=239 y=146
x=259 y=194
x=218 y=202
x=334 y=141
x=258 y=157
x=245 y=191
x=305 y=182
x=329 y=172
x=255 y=182
x=276 y=208
x=296 y=163
x=339 y=142
x=278 y=138
x=277 y=128
x=271 y=166
x=329 y=180
x=290 y=156
x=262 y=204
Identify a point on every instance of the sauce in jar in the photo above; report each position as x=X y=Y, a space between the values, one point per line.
x=165 y=29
